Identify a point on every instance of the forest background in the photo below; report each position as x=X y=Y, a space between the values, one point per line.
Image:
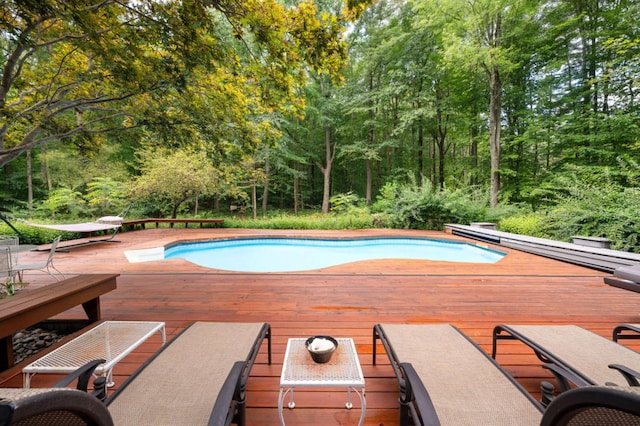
x=409 y=113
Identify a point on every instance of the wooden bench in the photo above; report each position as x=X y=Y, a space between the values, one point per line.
x=143 y=222
x=30 y=307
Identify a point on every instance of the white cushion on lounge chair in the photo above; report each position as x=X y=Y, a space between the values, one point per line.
x=112 y=220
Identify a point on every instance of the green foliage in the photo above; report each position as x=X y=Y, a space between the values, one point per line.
x=104 y=196
x=344 y=203
x=74 y=73
x=425 y=207
x=173 y=177
x=606 y=210
x=530 y=224
x=231 y=79
x=388 y=194
x=35 y=235
x=63 y=201
x=351 y=207
x=282 y=220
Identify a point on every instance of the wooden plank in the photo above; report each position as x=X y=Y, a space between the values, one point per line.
x=32 y=306
x=346 y=301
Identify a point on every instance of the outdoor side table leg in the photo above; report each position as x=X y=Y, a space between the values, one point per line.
x=280 y=414
x=363 y=405
x=291 y=404
x=281 y=397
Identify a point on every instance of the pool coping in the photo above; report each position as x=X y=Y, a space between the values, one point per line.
x=158 y=253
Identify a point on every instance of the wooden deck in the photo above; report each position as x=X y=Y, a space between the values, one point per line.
x=343 y=301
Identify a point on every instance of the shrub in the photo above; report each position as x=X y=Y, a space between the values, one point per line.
x=609 y=211
x=34 y=235
x=413 y=206
x=529 y=224
x=63 y=201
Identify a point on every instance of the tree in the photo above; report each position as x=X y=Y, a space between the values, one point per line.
x=376 y=44
x=473 y=36
x=75 y=69
x=174 y=177
x=327 y=118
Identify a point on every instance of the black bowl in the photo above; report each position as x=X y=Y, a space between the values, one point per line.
x=322 y=356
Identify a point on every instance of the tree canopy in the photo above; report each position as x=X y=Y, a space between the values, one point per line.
x=75 y=70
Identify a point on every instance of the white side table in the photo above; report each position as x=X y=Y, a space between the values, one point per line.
x=299 y=370
x=111 y=340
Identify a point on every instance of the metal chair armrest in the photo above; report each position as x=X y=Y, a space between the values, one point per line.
x=416 y=395
x=631 y=376
x=564 y=376
x=83 y=375
x=230 y=399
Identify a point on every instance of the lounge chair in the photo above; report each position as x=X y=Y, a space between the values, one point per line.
x=58 y=405
x=105 y=223
x=626 y=331
x=625 y=277
x=595 y=405
x=43 y=266
x=585 y=406
x=573 y=354
x=198 y=378
x=466 y=386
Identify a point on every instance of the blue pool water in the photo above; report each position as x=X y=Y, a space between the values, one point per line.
x=298 y=254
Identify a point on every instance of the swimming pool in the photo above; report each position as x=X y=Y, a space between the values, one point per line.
x=302 y=254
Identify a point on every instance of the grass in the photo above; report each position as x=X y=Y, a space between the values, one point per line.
x=310 y=220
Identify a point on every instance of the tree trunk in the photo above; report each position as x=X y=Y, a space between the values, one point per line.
x=45 y=169
x=29 y=181
x=329 y=153
x=371 y=139
x=495 y=108
x=441 y=136
x=473 y=153
x=441 y=156
x=326 y=170
x=368 y=194
x=420 y=153
x=265 y=192
x=296 y=190
x=494 y=35
x=254 y=199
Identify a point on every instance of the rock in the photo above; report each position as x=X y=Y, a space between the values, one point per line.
x=28 y=342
